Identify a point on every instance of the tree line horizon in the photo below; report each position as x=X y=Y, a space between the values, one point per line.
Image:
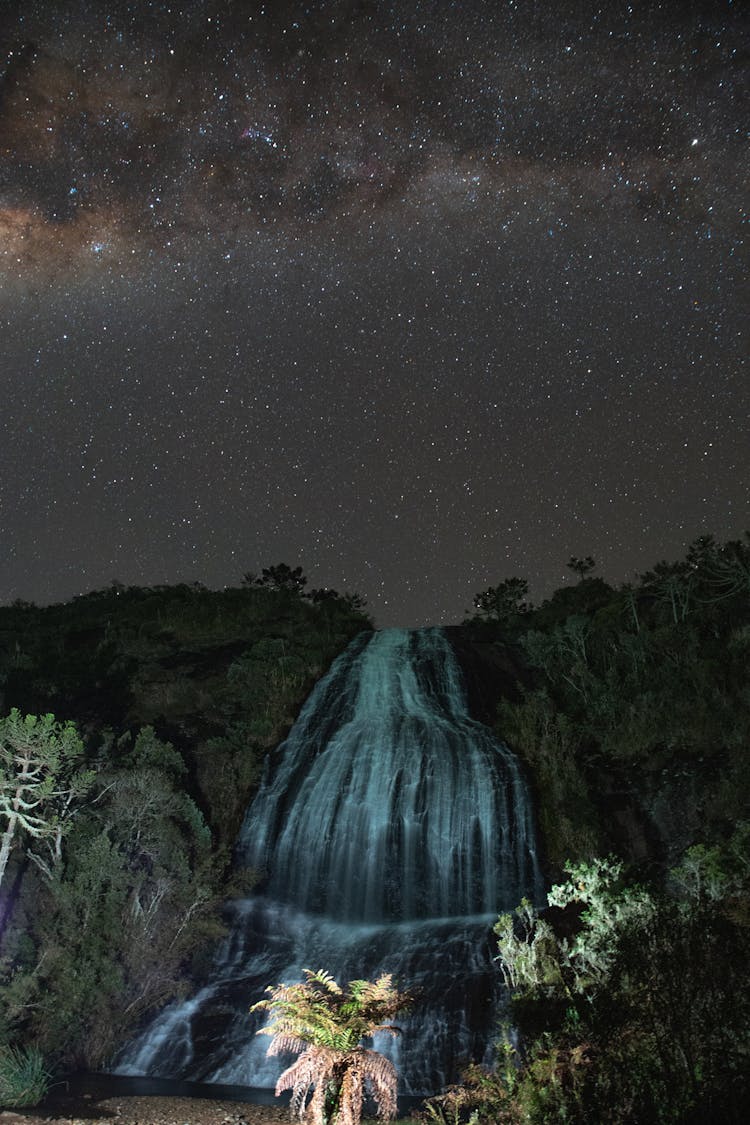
x=503 y=602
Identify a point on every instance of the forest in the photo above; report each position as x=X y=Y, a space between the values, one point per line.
x=136 y=722
x=146 y=714
x=633 y=717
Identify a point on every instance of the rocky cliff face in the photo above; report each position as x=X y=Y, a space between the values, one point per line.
x=492 y=671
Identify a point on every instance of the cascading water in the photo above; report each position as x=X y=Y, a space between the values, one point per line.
x=390 y=831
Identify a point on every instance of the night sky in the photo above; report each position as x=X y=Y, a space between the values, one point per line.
x=417 y=294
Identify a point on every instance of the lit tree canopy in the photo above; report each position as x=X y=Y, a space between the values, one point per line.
x=40 y=778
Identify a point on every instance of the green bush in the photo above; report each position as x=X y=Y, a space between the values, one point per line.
x=23 y=1078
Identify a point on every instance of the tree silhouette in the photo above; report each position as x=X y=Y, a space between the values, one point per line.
x=506 y=600
x=581 y=567
x=673 y=584
x=282 y=577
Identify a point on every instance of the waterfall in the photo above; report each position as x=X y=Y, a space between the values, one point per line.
x=389 y=831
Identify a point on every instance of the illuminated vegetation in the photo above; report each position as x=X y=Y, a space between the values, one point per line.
x=631 y=712
x=325 y=1025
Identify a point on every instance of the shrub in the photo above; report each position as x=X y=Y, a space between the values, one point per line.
x=23 y=1078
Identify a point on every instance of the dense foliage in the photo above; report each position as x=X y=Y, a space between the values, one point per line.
x=632 y=1000
x=117 y=829
x=633 y=716
x=644 y=1014
x=41 y=783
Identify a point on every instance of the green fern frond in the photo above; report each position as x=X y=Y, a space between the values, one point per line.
x=317 y=1010
x=320 y=976
x=325 y=1026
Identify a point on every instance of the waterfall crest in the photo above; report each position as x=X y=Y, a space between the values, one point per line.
x=390 y=830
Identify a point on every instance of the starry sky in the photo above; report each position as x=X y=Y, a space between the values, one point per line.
x=417 y=294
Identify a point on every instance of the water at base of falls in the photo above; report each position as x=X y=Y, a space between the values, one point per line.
x=392 y=829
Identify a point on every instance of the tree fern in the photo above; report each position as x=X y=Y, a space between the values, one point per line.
x=325 y=1026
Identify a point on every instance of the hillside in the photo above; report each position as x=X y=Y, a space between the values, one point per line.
x=629 y=708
